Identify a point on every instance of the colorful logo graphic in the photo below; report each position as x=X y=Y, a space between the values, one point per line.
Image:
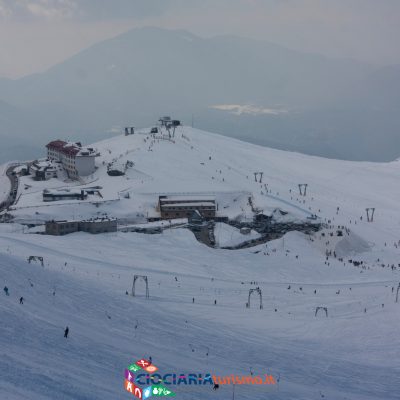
x=131 y=382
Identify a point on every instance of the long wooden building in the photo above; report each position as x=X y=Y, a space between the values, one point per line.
x=172 y=207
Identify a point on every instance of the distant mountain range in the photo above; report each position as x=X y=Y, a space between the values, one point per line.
x=287 y=99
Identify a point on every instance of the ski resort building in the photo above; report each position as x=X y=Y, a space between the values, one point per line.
x=76 y=160
x=66 y=194
x=59 y=228
x=97 y=225
x=42 y=170
x=172 y=207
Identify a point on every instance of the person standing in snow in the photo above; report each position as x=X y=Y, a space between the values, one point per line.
x=21 y=300
x=66 y=332
x=6 y=291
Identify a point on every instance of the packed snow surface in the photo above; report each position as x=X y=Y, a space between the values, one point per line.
x=351 y=354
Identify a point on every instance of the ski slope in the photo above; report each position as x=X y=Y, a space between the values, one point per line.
x=352 y=354
x=349 y=355
x=198 y=162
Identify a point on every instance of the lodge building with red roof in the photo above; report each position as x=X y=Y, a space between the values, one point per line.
x=76 y=160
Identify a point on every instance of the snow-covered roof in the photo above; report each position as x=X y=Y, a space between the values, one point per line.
x=63 y=192
x=189 y=198
x=91 y=220
x=72 y=149
x=192 y=204
x=42 y=165
x=56 y=144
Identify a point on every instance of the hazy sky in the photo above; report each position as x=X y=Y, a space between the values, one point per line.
x=35 y=34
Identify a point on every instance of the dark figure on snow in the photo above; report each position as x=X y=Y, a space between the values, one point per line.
x=6 y=291
x=216 y=386
x=66 y=332
x=21 y=300
x=193 y=300
x=215 y=302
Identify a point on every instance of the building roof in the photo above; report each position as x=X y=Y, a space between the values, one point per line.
x=93 y=220
x=186 y=198
x=71 y=148
x=56 y=144
x=41 y=165
x=192 y=204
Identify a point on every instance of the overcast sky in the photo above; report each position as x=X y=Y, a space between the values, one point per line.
x=35 y=34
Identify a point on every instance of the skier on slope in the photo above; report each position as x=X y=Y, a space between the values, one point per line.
x=66 y=332
x=6 y=291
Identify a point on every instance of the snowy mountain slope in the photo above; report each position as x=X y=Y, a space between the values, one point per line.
x=352 y=354
x=309 y=354
x=203 y=163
